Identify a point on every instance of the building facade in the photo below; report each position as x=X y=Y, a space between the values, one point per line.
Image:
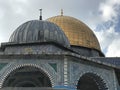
x=59 y=53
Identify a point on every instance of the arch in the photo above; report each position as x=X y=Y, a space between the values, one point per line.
x=91 y=81
x=26 y=80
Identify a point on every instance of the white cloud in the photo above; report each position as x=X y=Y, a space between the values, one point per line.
x=107 y=35
x=1 y=13
x=114 y=49
x=22 y=1
x=107 y=9
x=107 y=12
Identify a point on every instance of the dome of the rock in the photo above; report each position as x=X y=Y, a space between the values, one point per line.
x=77 y=32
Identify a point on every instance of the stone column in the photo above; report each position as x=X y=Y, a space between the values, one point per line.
x=65 y=71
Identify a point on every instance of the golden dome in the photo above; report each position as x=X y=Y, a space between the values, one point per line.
x=77 y=32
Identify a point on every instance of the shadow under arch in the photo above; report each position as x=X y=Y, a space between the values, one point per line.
x=91 y=81
x=27 y=76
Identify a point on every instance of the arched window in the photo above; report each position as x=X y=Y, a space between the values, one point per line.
x=27 y=76
x=90 y=81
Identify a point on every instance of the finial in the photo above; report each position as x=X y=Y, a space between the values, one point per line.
x=61 y=12
x=40 y=18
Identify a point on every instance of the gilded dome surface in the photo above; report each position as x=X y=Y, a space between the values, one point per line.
x=39 y=31
x=77 y=32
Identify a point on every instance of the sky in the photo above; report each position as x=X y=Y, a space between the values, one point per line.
x=102 y=16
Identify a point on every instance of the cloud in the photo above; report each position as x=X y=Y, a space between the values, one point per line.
x=114 y=48
x=106 y=30
x=106 y=37
x=107 y=9
x=1 y=13
x=12 y=14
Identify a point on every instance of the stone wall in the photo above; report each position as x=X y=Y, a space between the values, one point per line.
x=62 y=70
x=53 y=68
x=79 y=68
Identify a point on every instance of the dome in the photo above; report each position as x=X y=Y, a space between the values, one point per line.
x=39 y=31
x=77 y=32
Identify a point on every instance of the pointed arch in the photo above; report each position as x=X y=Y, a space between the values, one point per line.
x=91 y=81
x=26 y=72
